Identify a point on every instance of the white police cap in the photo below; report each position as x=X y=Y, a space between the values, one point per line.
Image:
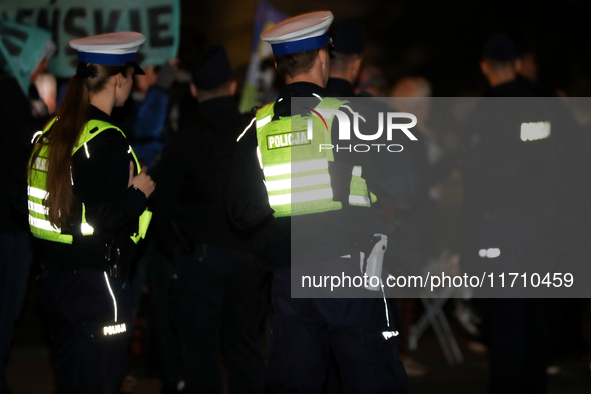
x=300 y=33
x=110 y=49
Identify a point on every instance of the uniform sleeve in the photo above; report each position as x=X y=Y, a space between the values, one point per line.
x=101 y=179
x=247 y=195
x=393 y=178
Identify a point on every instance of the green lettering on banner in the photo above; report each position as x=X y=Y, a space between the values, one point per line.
x=158 y=20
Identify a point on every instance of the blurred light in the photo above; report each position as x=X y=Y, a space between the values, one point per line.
x=490 y=253
x=535 y=131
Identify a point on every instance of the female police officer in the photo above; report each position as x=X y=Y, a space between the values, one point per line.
x=87 y=203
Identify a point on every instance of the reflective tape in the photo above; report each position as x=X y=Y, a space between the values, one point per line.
x=39 y=208
x=389 y=334
x=293 y=168
x=41 y=164
x=359 y=200
x=37 y=134
x=264 y=121
x=112 y=295
x=37 y=193
x=294 y=183
x=300 y=197
x=114 y=329
x=245 y=130
x=259 y=157
x=86 y=229
x=357 y=171
x=43 y=224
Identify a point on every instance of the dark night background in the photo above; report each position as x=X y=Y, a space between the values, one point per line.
x=441 y=40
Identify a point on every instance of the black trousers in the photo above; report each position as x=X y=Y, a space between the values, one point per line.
x=307 y=330
x=159 y=278
x=90 y=323
x=217 y=308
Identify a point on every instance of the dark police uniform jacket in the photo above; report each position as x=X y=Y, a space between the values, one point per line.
x=192 y=175
x=515 y=190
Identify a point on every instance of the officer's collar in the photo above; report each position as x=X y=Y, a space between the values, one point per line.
x=218 y=107
x=297 y=89
x=301 y=89
x=340 y=87
x=96 y=114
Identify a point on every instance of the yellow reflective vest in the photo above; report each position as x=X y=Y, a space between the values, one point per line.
x=37 y=193
x=296 y=169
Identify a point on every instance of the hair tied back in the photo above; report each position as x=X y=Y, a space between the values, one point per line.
x=83 y=70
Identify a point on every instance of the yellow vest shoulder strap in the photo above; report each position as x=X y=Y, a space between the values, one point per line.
x=91 y=130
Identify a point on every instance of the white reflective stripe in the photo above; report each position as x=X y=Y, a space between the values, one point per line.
x=37 y=193
x=86 y=150
x=129 y=150
x=112 y=295
x=260 y=157
x=41 y=164
x=298 y=182
x=86 y=228
x=264 y=121
x=246 y=129
x=292 y=168
x=300 y=197
x=357 y=171
x=39 y=208
x=35 y=136
x=385 y=304
x=317 y=96
x=360 y=200
x=43 y=224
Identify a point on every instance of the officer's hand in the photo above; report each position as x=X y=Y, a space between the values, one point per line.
x=141 y=181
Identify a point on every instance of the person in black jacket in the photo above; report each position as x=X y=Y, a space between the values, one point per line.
x=518 y=190
x=345 y=60
x=359 y=332
x=87 y=205
x=217 y=302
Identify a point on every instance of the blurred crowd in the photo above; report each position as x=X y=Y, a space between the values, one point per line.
x=182 y=120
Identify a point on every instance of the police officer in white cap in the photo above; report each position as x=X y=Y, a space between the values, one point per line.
x=307 y=330
x=87 y=200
